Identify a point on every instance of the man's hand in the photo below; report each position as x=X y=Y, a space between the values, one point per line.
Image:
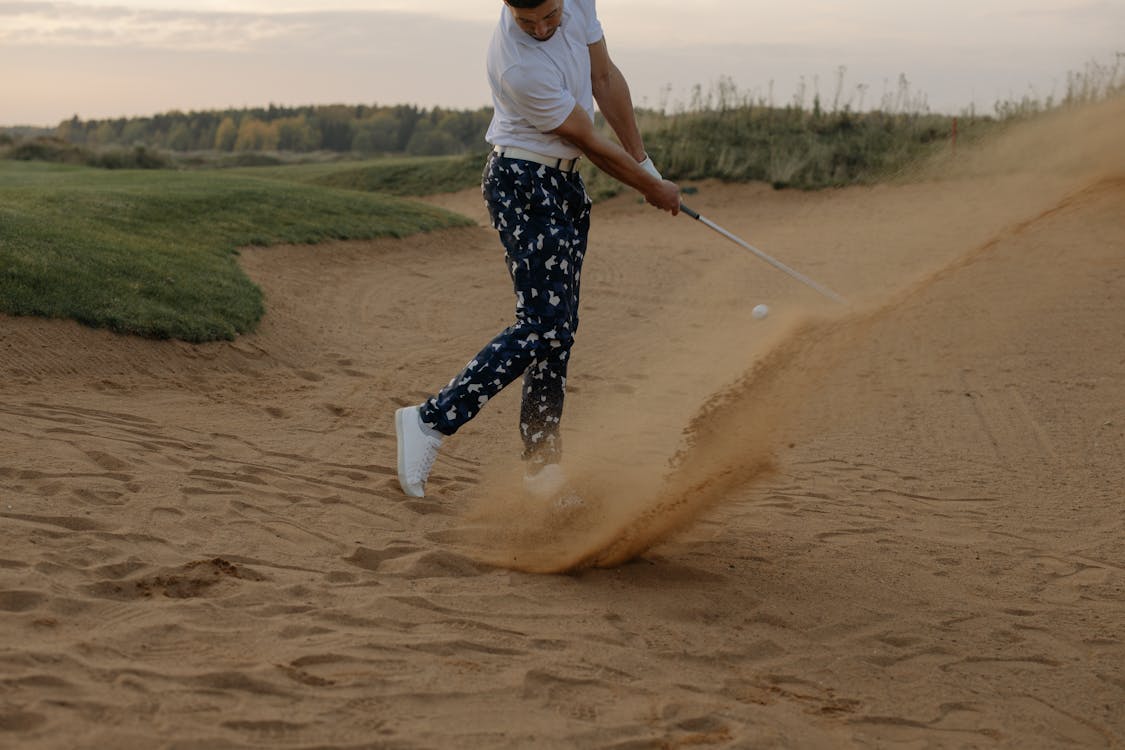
x=665 y=196
x=660 y=196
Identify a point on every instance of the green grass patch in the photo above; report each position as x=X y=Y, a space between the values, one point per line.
x=412 y=176
x=398 y=176
x=152 y=252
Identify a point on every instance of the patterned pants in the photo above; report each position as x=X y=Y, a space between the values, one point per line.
x=543 y=217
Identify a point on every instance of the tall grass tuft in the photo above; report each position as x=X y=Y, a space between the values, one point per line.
x=729 y=135
x=809 y=142
x=1096 y=82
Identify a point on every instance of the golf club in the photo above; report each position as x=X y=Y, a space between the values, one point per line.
x=767 y=258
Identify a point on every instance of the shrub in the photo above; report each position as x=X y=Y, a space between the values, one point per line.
x=249 y=159
x=60 y=152
x=48 y=149
x=137 y=157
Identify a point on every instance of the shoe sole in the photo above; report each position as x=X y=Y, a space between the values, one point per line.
x=402 y=454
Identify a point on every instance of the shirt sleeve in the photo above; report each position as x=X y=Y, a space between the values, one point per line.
x=544 y=103
x=594 y=31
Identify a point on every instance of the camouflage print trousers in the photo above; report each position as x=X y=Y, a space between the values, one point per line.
x=543 y=217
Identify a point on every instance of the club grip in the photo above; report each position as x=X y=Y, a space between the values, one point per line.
x=689 y=212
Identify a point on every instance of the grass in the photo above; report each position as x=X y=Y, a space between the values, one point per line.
x=139 y=246
x=153 y=252
x=412 y=176
x=799 y=149
x=409 y=176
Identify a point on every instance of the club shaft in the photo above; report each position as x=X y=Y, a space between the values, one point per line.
x=765 y=256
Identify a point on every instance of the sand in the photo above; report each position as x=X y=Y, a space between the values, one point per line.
x=896 y=524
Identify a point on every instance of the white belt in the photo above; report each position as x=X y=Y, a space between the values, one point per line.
x=512 y=152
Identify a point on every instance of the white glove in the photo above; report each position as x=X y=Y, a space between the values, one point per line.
x=649 y=167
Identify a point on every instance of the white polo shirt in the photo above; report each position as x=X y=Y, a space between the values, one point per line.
x=535 y=85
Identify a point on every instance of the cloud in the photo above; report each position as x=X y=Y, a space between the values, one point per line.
x=72 y=25
x=112 y=60
x=109 y=62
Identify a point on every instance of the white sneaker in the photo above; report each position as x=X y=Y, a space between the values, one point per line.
x=417 y=449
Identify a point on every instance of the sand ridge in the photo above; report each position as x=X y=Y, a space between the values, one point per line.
x=205 y=546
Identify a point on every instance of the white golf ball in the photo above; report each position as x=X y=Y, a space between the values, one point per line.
x=760 y=311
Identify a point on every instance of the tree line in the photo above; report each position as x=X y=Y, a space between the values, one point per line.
x=365 y=129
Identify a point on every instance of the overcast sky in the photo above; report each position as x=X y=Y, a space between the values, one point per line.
x=106 y=58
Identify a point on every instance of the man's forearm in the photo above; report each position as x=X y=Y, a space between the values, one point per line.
x=617 y=163
x=616 y=105
x=611 y=158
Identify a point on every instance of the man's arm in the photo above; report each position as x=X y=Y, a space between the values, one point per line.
x=616 y=161
x=621 y=162
x=611 y=91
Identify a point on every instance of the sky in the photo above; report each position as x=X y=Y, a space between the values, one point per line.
x=123 y=58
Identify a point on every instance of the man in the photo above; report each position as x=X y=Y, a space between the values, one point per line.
x=547 y=63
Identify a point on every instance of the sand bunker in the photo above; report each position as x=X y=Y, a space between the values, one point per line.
x=894 y=524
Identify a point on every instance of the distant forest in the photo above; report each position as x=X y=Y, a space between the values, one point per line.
x=722 y=133
x=363 y=129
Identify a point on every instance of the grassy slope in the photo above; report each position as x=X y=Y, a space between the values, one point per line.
x=153 y=252
x=399 y=176
x=412 y=176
